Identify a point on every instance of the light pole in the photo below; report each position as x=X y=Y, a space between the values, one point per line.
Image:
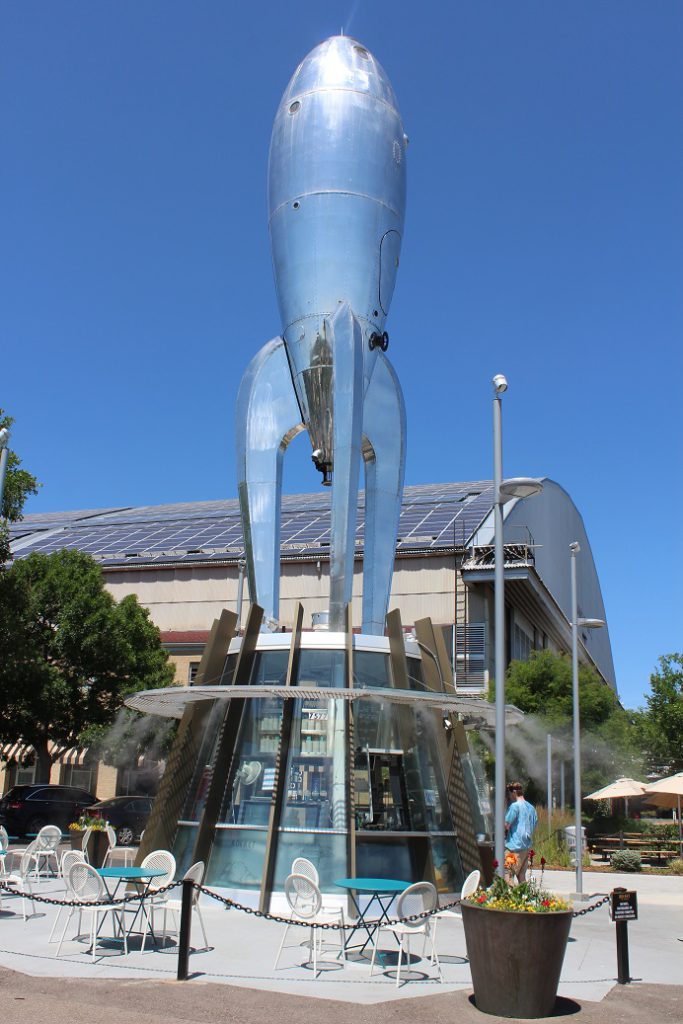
x=587 y=624
x=4 y=455
x=503 y=490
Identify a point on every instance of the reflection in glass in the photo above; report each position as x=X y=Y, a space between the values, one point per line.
x=327 y=850
x=237 y=858
x=322 y=668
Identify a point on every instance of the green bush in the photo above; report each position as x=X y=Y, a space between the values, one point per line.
x=626 y=860
x=675 y=866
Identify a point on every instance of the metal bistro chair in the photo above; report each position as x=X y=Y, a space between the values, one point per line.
x=174 y=906
x=22 y=877
x=416 y=899
x=127 y=851
x=305 y=903
x=4 y=850
x=470 y=885
x=69 y=858
x=47 y=844
x=302 y=866
x=85 y=885
x=163 y=860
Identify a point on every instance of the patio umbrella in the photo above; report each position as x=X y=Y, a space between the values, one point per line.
x=620 y=789
x=672 y=787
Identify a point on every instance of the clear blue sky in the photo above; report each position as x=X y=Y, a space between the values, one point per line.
x=543 y=241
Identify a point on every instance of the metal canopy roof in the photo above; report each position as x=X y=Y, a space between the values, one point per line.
x=170 y=702
x=434 y=517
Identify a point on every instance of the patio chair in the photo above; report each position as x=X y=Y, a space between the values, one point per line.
x=173 y=906
x=165 y=861
x=470 y=885
x=87 y=887
x=416 y=899
x=22 y=879
x=301 y=866
x=4 y=850
x=85 y=839
x=127 y=851
x=305 y=903
x=47 y=844
x=69 y=858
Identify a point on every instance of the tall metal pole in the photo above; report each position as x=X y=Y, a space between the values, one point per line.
x=574 y=548
x=4 y=456
x=241 y=566
x=549 y=770
x=499 y=627
x=562 y=791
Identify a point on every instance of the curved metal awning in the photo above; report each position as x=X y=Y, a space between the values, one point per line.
x=171 y=701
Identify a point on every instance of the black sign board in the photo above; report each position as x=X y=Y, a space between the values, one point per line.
x=624 y=905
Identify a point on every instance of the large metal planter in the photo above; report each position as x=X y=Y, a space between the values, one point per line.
x=516 y=959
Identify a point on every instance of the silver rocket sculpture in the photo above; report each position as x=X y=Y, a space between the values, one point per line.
x=336 y=190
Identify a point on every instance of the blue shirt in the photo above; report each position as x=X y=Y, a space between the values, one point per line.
x=522 y=819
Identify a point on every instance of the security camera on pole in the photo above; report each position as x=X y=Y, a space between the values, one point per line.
x=503 y=490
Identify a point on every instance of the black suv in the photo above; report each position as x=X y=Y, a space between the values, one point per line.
x=25 y=809
x=126 y=814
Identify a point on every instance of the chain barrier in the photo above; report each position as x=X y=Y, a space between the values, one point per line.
x=252 y=911
x=326 y=926
x=589 y=910
x=109 y=902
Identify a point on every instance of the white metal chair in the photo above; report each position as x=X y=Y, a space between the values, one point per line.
x=85 y=839
x=301 y=866
x=69 y=858
x=416 y=899
x=127 y=851
x=162 y=860
x=22 y=877
x=173 y=906
x=469 y=886
x=46 y=846
x=4 y=850
x=87 y=887
x=305 y=903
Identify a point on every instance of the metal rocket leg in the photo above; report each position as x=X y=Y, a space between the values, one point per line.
x=347 y=405
x=267 y=418
x=384 y=449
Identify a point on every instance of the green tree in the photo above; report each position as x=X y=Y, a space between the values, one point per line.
x=660 y=723
x=19 y=483
x=69 y=654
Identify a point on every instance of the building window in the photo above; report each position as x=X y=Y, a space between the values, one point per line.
x=471 y=647
x=522 y=644
x=81 y=776
x=192 y=670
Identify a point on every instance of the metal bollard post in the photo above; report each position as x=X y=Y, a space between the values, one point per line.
x=185 y=926
x=623 y=970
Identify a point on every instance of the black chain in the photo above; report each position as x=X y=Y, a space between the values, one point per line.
x=589 y=910
x=327 y=926
x=133 y=897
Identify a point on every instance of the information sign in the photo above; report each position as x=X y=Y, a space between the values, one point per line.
x=624 y=905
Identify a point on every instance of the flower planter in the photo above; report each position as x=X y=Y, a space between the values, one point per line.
x=515 y=958
x=98 y=844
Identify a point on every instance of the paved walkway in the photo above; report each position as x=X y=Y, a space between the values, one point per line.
x=237 y=970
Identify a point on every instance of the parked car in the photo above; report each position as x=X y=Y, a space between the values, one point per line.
x=127 y=814
x=25 y=809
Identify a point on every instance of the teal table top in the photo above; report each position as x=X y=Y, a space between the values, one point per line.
x=372 y=884
x=130 y=873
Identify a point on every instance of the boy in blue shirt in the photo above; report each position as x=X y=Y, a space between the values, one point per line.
x=520 y=822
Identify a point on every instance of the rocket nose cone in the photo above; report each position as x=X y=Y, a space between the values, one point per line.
x=340 y=62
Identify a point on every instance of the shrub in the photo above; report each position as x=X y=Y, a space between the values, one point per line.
x=625 y=860
x=676 y=866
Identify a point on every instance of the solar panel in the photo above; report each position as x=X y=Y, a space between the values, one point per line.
x=433 y=517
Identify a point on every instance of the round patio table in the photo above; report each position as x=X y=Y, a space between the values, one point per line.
x=382 y=891
x=137 y=876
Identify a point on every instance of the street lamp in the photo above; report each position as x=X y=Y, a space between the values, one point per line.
x=503 y=490
x=4 y=455
x=585 y=624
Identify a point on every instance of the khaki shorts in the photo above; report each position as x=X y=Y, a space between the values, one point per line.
x=517 y=873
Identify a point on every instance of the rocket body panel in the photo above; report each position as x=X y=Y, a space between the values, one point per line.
x=337 y=188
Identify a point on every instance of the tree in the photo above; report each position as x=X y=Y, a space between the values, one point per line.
x=660 y=724
x=19 y=483
x=69 y=654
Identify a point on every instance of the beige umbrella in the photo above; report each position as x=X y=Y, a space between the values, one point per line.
x=620 y=789
x=671 y=787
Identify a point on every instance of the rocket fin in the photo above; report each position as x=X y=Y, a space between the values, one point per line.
x=347 y=408
x=267 y=418
x=384 y=450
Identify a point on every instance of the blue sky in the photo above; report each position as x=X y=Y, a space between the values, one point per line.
x=545 y=213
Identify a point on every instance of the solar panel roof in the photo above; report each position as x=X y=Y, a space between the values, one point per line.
x=433 y=517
